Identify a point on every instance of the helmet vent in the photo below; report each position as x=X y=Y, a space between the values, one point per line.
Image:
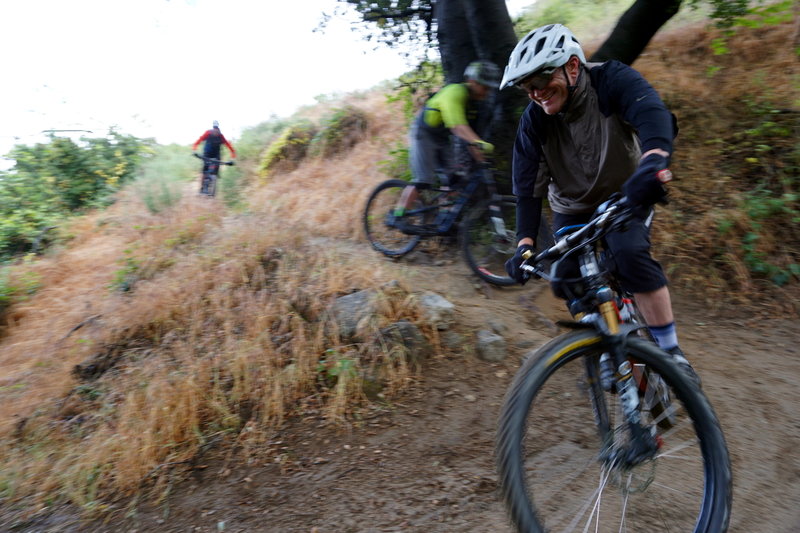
x=548 y=47
x=539 y=45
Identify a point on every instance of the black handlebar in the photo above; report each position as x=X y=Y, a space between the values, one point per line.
x=608 y=217
x=212 y=160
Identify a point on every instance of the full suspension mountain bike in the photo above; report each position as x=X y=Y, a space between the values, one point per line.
x=601 y=430
x=208 y=185
x=483 y=221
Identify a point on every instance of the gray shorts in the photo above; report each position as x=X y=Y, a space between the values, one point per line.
x=429 y=152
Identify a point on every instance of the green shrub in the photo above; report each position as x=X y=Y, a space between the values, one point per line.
x=417 y=86
x=289 y=149
x=54 y=180
x=764 y=155
x=254 y=139
x=341 y=130
x=16 y=287
x=397 y=165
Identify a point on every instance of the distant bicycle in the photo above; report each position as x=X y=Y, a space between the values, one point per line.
x=483 y=220
x=601 y=430
x=210 y=174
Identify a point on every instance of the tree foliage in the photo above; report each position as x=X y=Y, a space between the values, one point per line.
x=54 y=179
x=394 y=23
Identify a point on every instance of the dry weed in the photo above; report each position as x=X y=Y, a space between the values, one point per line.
x=219 y=335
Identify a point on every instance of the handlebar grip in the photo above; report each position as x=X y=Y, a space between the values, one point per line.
x=527 y=254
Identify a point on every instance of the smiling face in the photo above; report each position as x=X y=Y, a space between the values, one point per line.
x=552 y=96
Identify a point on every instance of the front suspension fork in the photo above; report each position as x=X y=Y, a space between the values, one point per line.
x=643 y=444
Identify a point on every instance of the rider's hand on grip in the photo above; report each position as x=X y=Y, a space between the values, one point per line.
x=513 y=265
x=647 y=185
x=485 y=147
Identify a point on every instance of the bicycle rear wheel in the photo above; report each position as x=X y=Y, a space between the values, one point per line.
x=212 y=185
x=556 y=430
x=381 y=203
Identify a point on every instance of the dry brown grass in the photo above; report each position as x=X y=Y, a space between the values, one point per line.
x=219 y=340
x=710 y=166
x=225 y=333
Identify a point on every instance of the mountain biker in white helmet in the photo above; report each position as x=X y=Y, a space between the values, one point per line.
x=452 y=111
x=590 y=131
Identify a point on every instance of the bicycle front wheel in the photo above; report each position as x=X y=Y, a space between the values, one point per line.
x=387 y=240
x=488 y=239
x=559 y=430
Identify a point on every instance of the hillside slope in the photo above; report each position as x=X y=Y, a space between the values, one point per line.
x=223 y=302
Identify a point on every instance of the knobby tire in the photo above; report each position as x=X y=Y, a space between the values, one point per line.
x=391 y=242
x=536 y=445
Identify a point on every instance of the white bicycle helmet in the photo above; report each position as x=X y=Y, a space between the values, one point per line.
x=548 y=47
x=215 y=124
x=484 y=72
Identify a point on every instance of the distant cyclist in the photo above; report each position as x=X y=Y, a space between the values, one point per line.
x=214 y=139
x=452 y=111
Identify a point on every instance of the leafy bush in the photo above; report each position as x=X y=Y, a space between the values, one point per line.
x=588 y=19
x=766 y=155
x=340 y=131
x=416 y=86
x=53 y=180
x=16 y=286
x=253 y=140
x=397 y=166
x=289 y=149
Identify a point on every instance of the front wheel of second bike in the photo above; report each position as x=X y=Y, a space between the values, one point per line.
x=562 y=442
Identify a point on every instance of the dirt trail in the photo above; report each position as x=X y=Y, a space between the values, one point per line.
x=424 y=463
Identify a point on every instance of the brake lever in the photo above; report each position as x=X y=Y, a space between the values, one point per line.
x=533 y=270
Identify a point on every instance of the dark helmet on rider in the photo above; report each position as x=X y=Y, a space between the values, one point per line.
x=543 y=49
x=482 y=71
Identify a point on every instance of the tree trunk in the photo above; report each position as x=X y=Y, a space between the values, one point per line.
x=634 y=30
x=491 y=29
x=456 y=47
x=482 y=29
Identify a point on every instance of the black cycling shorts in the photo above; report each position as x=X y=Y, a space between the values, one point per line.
x=629 y=254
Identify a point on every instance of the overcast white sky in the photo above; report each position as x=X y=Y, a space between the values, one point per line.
x=167 y=68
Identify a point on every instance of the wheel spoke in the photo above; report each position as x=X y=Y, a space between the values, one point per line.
x=390 y=241
x=580 y=480
x=488 y=240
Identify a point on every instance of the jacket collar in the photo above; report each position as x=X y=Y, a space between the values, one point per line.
x=576 y=103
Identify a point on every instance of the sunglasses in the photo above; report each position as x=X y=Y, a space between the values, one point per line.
x=537 y=80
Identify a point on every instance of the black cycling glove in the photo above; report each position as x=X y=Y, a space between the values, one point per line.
x=513 y=265
x=646 y=186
